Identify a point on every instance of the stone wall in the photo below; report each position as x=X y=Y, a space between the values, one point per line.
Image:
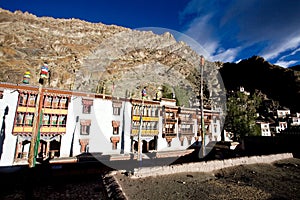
x=208 y=166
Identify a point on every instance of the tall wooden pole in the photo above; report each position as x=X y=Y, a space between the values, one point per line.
x=140 y=132
x=201 y=107
x=36 y=120
x=35 y=128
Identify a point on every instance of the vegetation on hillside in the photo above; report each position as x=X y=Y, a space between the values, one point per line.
x=241 y=116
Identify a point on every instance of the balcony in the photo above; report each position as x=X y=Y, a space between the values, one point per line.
x=164 y=135
x=148 y=119
x=171 y=120
x=135 y=132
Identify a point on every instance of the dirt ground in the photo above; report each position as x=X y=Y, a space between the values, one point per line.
x=279 y=180
x=60 y=190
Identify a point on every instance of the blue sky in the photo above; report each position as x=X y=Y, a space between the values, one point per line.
x=229 y=30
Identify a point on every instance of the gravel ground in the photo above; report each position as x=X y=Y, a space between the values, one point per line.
x=280 y=180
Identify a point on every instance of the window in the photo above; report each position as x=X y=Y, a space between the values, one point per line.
x=31 y=99
x=84 y=145
x=153 y=125
x=86 y=106
x=169 y=128
x=116 y=125
x=215 y=119
x=147 y=126
x=48 y=101
x=28 y=119
x=86 y=109
x=53 y=120
x=114 y=140
x=23 y=99
x=55 y=102
x=153 y=111
x=62 y=120
x=114 y=146
x=135 y=110
x=117 y=107
x=116 y=111
x=46 y=119
x=20 y=119
x=186 y=128
x=63 y=102
x=135 y=125
x=85 y=126
x=116 y=131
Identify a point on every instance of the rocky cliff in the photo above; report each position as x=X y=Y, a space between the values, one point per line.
x=95 y=57
x=26 y=42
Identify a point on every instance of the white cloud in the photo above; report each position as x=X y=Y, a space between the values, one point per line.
x=267 y=28
x=285 y=63
x=275 y=49
x=202 y=33
x=291 y=54
x=228 y=55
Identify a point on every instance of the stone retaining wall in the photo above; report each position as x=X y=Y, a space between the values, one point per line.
x=208 y=166
x=112 y=187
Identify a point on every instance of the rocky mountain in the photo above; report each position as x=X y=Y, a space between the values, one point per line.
x=278 y=83
x=96 y=57
x=26 y=42
x=296 y=67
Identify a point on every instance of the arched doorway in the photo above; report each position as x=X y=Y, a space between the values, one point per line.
x=54 y=149
x=145 y=147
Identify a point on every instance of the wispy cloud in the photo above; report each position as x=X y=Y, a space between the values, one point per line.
x=285 y=63
x=273 y=50
x=234 y=29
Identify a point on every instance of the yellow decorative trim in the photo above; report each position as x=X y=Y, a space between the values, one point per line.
x=137 y=118
x=26 y=109
x=55 y=111
x=53 y=129
x=27 y=129
x=18 y=129
x=144 y=132
x=22 y=109
x=30 y=109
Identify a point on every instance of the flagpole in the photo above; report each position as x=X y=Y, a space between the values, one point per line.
x=35 y=128
x=35 y=136
x=140 y=132
x=201 y=107
x=140 y=155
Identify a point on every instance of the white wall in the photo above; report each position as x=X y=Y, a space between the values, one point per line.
x=10 y=99
x=70 y=129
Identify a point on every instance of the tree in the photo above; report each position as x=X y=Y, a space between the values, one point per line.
x=242 y=113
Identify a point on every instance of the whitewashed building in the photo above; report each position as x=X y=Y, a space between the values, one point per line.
x=265 y=129
x=75 y=123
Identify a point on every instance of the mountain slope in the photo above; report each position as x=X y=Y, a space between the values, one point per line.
x=26 y=42
x=276 y=82
x=85 y=56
